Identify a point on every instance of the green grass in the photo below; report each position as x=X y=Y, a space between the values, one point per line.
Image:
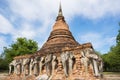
x=4 y=71
x=118 y=73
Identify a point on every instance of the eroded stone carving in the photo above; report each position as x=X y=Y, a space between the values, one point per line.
x=89 y=53
x=48 y=60
x=70 y=66
x=41 y=64
x=70 y=62
x=35 y=66
x=13 y=63
x=67 y=62
x=25 y=65
x=85 y=61
x=80 y=64
x=54 y=63
x=18 y=66
x=31 y=65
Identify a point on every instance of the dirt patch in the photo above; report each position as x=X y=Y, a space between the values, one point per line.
x=3 y=76
x=106 y=76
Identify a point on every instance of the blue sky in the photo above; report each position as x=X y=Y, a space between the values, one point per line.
x=94 y=21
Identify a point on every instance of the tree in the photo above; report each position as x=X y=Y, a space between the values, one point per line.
x=105 y=58
x=118 y=38
x=3 y=64
x=98 y=53
x=21 y=47
x=112 y=58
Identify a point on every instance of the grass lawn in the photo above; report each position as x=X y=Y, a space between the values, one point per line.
x=114 y=73
x=111 y=75
x=5 y=71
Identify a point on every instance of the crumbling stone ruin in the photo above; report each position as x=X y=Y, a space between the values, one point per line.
x=60 y=58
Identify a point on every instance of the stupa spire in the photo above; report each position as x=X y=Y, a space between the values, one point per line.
x=60 y=10
x=60 y=13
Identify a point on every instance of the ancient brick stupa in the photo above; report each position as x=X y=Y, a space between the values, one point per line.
x=60 y=58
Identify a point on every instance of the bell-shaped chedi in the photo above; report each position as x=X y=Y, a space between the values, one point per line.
x=60 y=58
x=60 y=37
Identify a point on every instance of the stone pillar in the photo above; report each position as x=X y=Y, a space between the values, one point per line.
x=15 y=69
x=95 y=68
x=35 y=69
x=30 y=68
x=27 y=69
x=18 y=67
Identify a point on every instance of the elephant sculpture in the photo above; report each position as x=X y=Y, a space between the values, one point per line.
x=26 y=62
x=85 y=61
x=100 y=66
x=41 y=63
x=35 y=66
x=71 y=62
x=31 y=65
x=47 y=63
x=67 y=58
x=90 y=53
x=18 y=66
x=13 y=63
x=54 y=63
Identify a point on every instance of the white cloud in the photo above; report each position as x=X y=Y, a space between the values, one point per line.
x=46 y=10
x=99 y=41
x=41 y=9
x=92 y=9
x=2 y=43
x=25 y=30
x=5 y=26
x=34 y=9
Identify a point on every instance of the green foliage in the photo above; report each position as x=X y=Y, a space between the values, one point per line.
x=21 y=47
x=98 y=53
x=3 y=64
x=112 y=58
x=105 y=61
x=118 y=38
